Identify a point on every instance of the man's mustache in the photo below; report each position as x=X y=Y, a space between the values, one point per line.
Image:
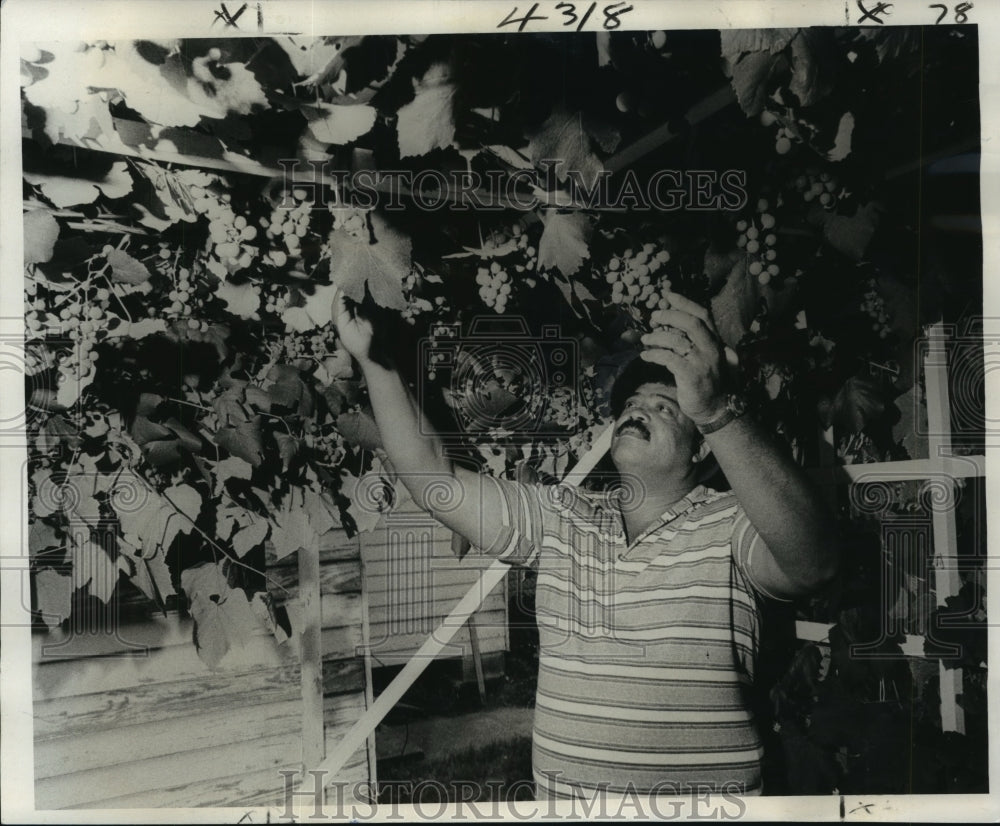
x=633 y=425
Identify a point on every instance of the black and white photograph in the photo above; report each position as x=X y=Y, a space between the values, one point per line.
x=497 y=411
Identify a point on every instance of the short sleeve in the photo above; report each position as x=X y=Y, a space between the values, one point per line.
x=747 y=543
x=527 y=514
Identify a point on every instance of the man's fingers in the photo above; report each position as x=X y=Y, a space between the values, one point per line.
x=684 y=304
x=695 y=329
x=669 y=338
x=675 y=363
x=337 y=305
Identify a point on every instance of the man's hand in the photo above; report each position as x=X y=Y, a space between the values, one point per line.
x=685 y=341
x=355 y=333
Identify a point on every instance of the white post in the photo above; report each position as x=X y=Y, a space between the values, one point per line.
x=947 y=581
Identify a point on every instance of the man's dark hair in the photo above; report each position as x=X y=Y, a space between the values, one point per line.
x=637 y=373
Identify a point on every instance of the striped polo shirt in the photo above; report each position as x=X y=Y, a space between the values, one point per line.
x=646 y=649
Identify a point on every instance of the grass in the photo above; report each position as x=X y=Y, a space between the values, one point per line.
x=476 y=775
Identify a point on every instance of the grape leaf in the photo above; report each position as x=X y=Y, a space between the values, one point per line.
x=356 y=264
x=360 y=430
x=851 y=234
x=563 y=244
x=151 y=521
x=309 y=55
x=70 y=389
x=64 y=191
x=72 y=110
x=127 y=269
x=40 y=233
x=232 y=468
x=361 y=509
x=735 y=305
x=93 y=566
x=288 y=447
x=79 y=497
x=859 y=402
x=576 y=295
x=314 y=313
x=749 y=79
x=119 y=328
x=183 y=99
x=41 y=537
x=370 y=61
x=229 y=516
x=427 y=122
x=243 y=440
x=496 y=460
x=251 y=536
x=340 y=365
x=737 y=41
x=842 y=142
x=242 y=300
x=152 y=576
x=176 y=189
x=562 y=137
x=510 y=156
x=222 y=615
x=229 y=406
x=342 y=124
x=292 y=529
x=321 y=512
x=163 y=444
x=808 y=82
x=286 y=389
x=54 y=592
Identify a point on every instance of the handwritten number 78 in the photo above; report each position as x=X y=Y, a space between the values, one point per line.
x=961 y=12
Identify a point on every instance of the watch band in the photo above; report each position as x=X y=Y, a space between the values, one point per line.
x=736 y=406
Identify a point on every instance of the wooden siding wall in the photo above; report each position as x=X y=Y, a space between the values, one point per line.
x=161 y=729
x=413 y=580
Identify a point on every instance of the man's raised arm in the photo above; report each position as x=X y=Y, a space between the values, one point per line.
x=456 y=497
x=781 y=502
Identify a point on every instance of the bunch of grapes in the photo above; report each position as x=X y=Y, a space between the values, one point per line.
x=349 y=220
x=82 y=323
x=757 y=237
x=290 y=225
x=873 y=305
x=185 y=301
x=524 y=244
x=415 y=305
x=326 y=442
x=436 y=334
x=633 y=278
x=783 y=136
x=494 y=286
x=276 y=301
x=36 y=316
x=821 y=187
x=230 y=239
x=313 y=345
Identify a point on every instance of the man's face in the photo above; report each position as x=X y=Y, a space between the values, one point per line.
x=652 y=432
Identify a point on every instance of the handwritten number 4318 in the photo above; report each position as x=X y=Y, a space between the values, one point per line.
x=612 y=14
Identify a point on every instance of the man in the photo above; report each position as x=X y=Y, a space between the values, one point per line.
x=647 y=595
